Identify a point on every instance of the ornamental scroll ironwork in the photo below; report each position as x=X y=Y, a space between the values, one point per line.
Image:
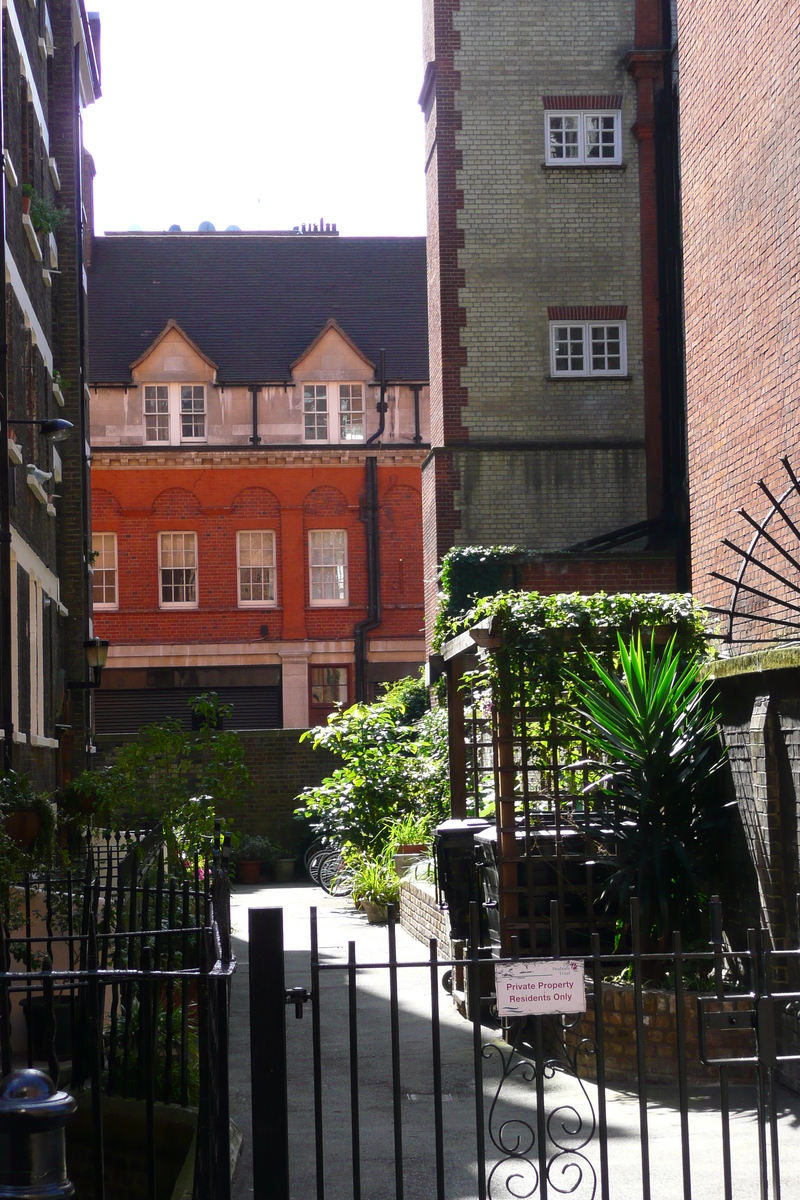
x=766 y=588
x=569 y=1128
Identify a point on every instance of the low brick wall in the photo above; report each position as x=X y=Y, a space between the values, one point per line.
x=660 y=1036
x=421 y=916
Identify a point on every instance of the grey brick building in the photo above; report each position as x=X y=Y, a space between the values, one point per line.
x=50 y=73
x=555 y=364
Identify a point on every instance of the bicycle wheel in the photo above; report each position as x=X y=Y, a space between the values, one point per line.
x=315 y=862
x=315 y=848
x=333 y=874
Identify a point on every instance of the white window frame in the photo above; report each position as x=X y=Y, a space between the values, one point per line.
x=174 y=414
x=105 y=605
x=145 y=439
x=36 y=619
x=322 y=601
x=173 y=605
x=316 y=413
x=342 y=414
x=588 y=370
x=203 y=437
x=335 y=416
x=584 y=119
x=272 y=568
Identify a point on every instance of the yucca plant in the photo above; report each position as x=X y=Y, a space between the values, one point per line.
x=653 y=737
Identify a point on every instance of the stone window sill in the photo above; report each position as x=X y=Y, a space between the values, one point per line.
x=583 y=167
x=588 y=378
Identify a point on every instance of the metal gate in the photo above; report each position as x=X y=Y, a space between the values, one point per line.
x=540 y=1115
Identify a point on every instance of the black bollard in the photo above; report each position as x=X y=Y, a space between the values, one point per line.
x=33 y=1159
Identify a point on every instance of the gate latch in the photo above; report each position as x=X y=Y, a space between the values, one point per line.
x=298 y=996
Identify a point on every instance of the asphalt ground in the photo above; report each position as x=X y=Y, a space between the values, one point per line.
x=574 y=1174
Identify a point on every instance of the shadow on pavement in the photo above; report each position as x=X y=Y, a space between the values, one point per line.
x=574 y=1166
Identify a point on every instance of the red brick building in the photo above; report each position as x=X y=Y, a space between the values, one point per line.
x=256 y=460
x=553 y=290
x=741 y=217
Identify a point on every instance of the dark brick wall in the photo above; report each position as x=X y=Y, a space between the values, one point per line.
x=761 y=726
x=74 y=539
x=281 y=766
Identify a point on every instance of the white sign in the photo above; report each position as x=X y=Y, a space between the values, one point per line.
x=554 y=986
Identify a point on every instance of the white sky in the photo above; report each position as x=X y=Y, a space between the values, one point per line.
x=260 y=113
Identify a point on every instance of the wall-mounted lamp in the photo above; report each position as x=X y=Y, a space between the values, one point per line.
x=55 y=430
x=96 y=657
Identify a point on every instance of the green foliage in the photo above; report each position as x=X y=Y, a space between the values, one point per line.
x=175 y=780
x=45 y=216
x=373 y=877
x=655 y=743
x=548 y=625
x=469 y=573
x=410 y=829
x=17 y=794
x=254 y=847
x=133 y=1043
x=547 y=642
x=393 y=764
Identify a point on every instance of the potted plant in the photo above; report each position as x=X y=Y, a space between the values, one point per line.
x=284 y=865
x=28 y=819
x=252 y=851
x=375 y=885
x=408 y=838
x=27 y=198
x=78 y=798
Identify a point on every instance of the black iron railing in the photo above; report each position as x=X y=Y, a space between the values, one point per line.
x=127 y=985
x=520 y=1136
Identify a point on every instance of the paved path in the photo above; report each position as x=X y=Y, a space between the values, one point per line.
x=339 y=924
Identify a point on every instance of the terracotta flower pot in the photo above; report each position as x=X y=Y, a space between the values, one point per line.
x=23 y=827
x=249 y=871
x=26 y=206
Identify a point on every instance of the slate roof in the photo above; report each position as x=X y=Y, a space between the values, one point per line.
x=254 y=303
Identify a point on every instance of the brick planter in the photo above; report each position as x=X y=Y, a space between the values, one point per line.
x=660 y=1038
x=421 y=916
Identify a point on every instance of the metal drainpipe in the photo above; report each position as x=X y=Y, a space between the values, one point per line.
x=417 y=435
x=370 y=516
x=381 y=406
x=5 y=505
x=255 y=439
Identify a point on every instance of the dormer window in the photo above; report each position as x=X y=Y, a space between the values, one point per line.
x=174 y=413
x=319 y=426
x=156 y=413
x=351 y=412
x=315 y=411
x=193 y=412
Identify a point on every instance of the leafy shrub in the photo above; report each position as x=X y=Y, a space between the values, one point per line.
x=394 y=764
x=254 y=847
x=173 y=780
